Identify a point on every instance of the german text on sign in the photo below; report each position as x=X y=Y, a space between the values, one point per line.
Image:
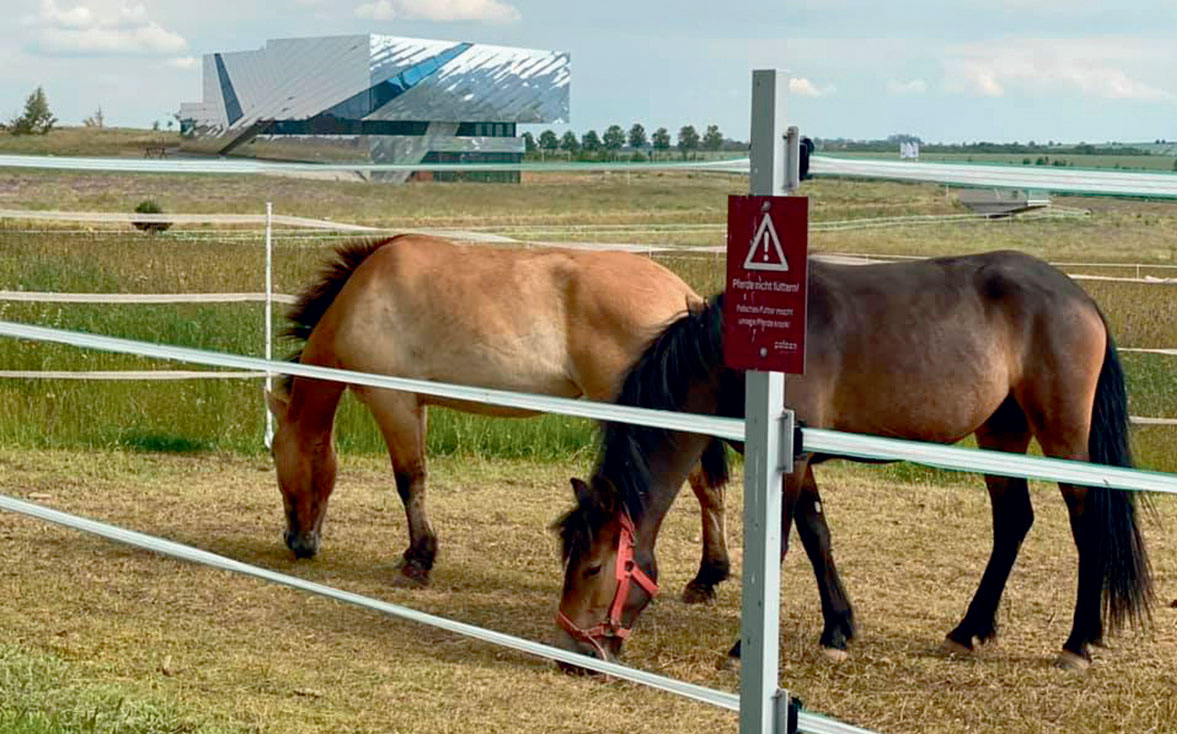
x=764 y=306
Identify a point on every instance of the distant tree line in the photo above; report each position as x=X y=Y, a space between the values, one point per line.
x=635 y=145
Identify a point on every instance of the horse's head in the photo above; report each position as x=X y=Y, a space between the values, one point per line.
x=609 y=572
x=306 y=476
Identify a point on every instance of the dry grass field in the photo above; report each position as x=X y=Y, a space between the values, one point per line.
x=232 y=654
x=98 y=637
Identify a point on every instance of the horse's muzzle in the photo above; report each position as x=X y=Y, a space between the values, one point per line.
x=304 y=545
x=565 y=641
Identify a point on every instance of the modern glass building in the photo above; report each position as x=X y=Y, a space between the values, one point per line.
x=376 y=99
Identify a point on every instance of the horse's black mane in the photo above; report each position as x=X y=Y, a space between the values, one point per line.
x=686 y=352
x=315 y=300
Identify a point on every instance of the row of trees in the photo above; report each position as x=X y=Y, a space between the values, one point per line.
x=615 y=138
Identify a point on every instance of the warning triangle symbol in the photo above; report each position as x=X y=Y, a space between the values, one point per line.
x=766 y=252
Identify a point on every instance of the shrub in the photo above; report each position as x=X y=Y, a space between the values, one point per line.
x=147 y=206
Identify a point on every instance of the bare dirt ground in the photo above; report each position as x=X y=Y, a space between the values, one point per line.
x=241 y=655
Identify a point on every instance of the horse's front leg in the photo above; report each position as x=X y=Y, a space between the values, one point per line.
x=802 y=505
x=402 y=422
x=815 y=538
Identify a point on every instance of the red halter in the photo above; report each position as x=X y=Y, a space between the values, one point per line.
x=626 y=571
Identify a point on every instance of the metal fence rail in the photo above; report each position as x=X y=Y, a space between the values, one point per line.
x=814 y=439
x=988 y=175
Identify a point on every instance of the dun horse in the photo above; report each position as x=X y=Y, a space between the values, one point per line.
x=554 y=322
x=999 y=345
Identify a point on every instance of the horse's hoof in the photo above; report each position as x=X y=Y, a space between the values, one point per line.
x=834 y=655
x=1068 y=660
x=952 y=647
x=695 y=593
x=411 y=576
x=405 y=581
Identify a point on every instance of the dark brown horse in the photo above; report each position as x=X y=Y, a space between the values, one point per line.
x=999 y=345
x=555 y=322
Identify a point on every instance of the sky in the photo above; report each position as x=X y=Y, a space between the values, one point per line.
x=945 y=70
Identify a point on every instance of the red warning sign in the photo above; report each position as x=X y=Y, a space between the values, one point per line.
x=766 y=288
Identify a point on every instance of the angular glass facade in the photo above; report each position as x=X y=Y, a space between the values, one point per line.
x=376 y=99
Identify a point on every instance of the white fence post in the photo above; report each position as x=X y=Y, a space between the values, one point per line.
x=767 y=448
x=269 y=438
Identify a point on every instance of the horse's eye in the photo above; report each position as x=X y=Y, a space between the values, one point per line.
x=592 y=570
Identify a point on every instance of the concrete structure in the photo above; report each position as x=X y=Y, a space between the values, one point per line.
x=1002 y=202
x=376 y=99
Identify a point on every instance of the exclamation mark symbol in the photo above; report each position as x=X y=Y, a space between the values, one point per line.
x=764 y=241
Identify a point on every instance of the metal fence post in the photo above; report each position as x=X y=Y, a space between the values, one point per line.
x=768 y=448
x=269 y=437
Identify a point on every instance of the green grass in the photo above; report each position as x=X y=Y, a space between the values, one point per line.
x=227 y=415
x=41 y=694
x=87 y=141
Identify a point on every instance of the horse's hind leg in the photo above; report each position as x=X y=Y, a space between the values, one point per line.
x=1087 y=624
x=401 y=418
x=1008 y=431
x=1061 y=418
x=714 y=566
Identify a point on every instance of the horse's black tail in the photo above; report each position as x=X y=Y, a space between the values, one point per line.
x=1127 y=575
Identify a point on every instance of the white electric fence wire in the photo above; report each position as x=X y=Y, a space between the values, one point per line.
x=1169 y=352
x=50 y=297
x=137 y=375
x=167 y=218
x=1148 y=280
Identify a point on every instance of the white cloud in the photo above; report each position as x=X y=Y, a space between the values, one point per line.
x=378 y=10
x=915 y=86
x=1094 y=67
x=99 y=28
x=801 y=86
x=488 y=11
x=77 y=17
x=183 y=62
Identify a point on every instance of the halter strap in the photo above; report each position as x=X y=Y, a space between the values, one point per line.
x=627 y=572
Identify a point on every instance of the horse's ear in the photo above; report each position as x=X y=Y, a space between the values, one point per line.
x=277 y=404
x=581 y=492
x=608 y=498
